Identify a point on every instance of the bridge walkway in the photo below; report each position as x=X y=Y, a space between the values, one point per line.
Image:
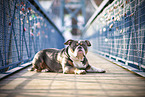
x=116 y=82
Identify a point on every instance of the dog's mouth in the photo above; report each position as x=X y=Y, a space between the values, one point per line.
x=80 y=54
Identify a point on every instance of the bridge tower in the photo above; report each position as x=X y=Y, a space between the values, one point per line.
x=73 y=15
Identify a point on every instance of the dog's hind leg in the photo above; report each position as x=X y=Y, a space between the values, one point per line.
x=32 y=68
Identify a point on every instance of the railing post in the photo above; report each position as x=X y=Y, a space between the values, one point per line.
x=62 y=13
x=5 y=33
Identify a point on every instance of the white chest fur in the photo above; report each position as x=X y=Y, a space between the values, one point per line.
x=78 y=64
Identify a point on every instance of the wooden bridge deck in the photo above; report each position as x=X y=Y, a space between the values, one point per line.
x=116 y=82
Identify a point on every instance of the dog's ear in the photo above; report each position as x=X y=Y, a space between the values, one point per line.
x=68 y=42
x=88 y=43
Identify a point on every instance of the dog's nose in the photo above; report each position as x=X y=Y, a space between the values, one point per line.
x=79 y=47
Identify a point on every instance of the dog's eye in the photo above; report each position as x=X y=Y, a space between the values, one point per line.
x=77 y=44
x=81 y=43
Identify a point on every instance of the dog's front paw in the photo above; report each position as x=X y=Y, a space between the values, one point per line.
x=80 y=72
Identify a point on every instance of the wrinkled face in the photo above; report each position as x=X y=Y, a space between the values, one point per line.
x=78 y=48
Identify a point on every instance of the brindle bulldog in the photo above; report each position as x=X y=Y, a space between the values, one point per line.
x=69 y=60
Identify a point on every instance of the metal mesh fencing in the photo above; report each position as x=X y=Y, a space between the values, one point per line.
x=24 y=30
x=119 y=32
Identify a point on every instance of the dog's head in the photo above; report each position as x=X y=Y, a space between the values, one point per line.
x=78 y=48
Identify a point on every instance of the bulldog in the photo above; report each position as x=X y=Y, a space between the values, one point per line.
x=69 y=60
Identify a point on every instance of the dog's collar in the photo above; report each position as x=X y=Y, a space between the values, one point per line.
x=84 y=60
x=67 y=54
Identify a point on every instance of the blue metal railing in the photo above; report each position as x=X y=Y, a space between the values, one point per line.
x=118 y=32
x=24 y=29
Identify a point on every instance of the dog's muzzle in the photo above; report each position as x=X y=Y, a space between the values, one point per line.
x=80 y=52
